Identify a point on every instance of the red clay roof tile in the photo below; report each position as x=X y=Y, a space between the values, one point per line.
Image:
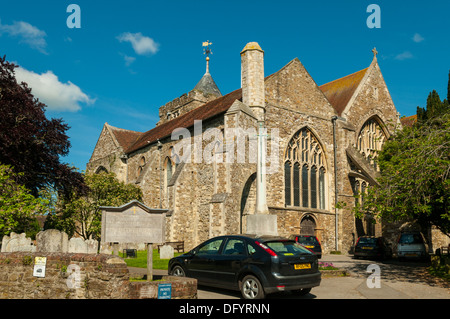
x=204 y=112
x=340 y=91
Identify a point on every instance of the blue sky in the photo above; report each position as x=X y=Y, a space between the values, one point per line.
x=130 y=57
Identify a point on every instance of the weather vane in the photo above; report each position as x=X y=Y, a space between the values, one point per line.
x=207 y=51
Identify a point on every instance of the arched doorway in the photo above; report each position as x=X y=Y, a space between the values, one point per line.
x=308 y=226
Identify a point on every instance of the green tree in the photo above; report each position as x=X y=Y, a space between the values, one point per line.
x=82 y=215
x=434 y=107
x=29 y=142
x=18 y=208
x=414 y=182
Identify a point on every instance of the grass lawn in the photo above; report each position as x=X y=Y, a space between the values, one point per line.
x=141 y=260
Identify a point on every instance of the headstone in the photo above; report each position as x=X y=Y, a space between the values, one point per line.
x=52 y=241
x=17 y=242
x=92 y=246
x=77 y=245
x=166 y=252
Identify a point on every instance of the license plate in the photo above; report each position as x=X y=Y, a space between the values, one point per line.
x=367 y=248
x=411 y=255
x=302 y=266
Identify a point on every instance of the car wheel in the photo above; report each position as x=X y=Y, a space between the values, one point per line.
x=178 y=271
x=251 y=288
x=302 y=292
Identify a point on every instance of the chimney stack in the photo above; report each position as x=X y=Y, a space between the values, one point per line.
x=252 y=78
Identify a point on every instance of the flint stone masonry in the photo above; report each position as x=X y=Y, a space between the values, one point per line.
x=217 y=198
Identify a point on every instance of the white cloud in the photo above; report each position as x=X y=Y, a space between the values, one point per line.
x=128 y=59
x=417 y=38
x=56 y=95
x=142 y=45
x=404 y=56
x=27 y=33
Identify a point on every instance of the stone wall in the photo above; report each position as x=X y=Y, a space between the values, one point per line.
x=100 y=276
x=80 y=276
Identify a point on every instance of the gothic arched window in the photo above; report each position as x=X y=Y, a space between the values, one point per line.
x=370 y=140
x=304 y=171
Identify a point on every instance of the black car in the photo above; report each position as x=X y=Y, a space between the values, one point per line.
x=252 y=264
x=372 y=247
x=310 y=242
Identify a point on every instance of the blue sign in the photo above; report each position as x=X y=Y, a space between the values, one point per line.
x=164 y=291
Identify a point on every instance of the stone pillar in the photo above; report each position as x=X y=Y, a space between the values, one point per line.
x=261 y=195
x=253 y=95
x=252 y=78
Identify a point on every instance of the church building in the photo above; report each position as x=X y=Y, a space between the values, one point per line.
x=281 y=150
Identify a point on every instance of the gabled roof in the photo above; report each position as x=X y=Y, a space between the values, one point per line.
x=123 y=137
x=340 y=91
x=204 y=112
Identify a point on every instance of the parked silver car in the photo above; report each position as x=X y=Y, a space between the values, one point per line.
x=411 y=245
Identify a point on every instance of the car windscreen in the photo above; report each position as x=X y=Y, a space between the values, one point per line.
x=367 y=241
x=287 y=248
x=410 y=239
x=307 y=240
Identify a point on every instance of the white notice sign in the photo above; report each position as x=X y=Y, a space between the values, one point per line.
x=39 y=266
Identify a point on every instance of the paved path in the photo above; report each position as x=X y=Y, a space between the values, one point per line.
x=406 y=280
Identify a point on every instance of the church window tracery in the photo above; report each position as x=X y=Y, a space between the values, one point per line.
x=370 y=140
x=305 y=171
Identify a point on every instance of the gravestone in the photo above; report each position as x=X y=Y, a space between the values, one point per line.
x=17 y=242
x=79 y=245
x=166 y=252
x=92 y=246
x=52 y=241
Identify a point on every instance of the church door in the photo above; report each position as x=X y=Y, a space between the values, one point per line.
x=308 y=226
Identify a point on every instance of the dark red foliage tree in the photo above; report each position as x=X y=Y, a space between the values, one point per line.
x=31 y=143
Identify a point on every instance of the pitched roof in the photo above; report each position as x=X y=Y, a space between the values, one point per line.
x=204 y=112
x=340 y=91
x=409 y=121
x=123 y=137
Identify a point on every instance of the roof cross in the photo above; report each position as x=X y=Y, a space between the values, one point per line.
x=375 y=52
